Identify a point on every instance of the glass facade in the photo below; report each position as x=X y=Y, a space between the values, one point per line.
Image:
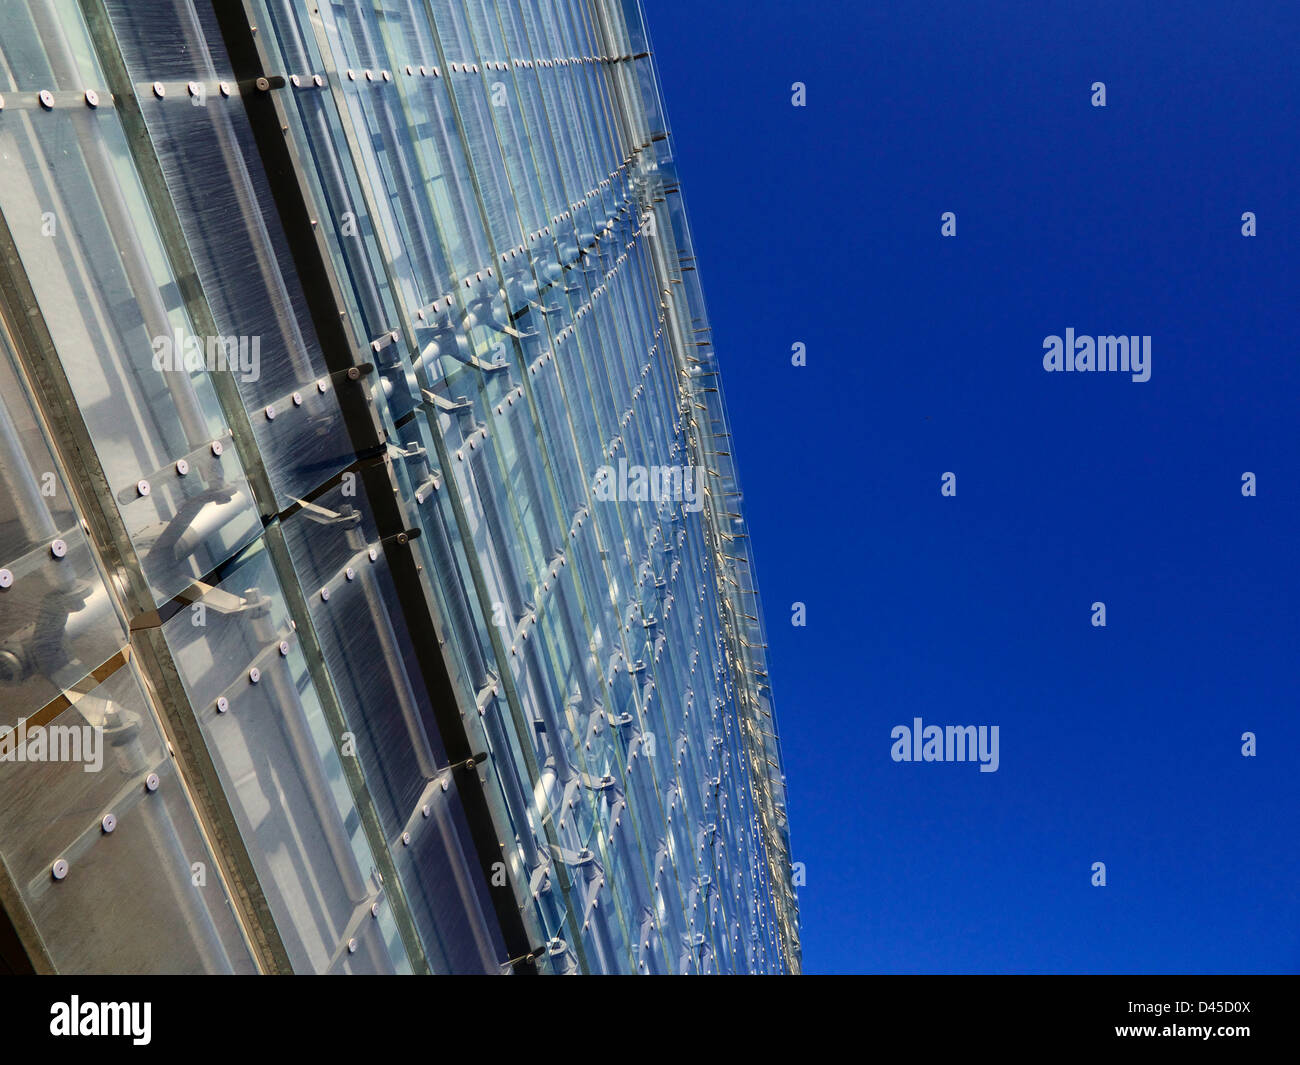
x=368 y=503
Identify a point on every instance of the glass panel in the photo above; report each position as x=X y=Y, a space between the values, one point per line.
x=75 y=208
x=372 y=665
x=98 y=835
x=57 y=623
x=241 y=664
x=218 y=185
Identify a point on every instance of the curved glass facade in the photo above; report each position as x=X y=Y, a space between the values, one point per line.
x=356 y=356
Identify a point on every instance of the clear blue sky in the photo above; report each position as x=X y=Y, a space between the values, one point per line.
x=1118 y=744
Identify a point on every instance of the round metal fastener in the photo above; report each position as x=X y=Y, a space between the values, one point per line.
x=6 y=578
x=224 y=88
x=350 y=573
x=92 y=98
x=284 y=648
x=223 y=704
x=270 y=412
x=374 y=909
x=294 y=80
x=317 y=80
x=406 y=839
x=263 y=84
x=352 y=75
x=47 y=99
x=322 y=385
x=254 y=675
x=182 y=467
x=217 y=449
x=297 y=399
x=352 y=946
x=194 y=88
x=159 y=90
x=59 y=869
x=151 y=782
x=58 y=548
x=374 y=555
x=109 y=822
x=324 y=595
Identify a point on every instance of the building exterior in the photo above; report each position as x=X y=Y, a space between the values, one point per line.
x=375 y=594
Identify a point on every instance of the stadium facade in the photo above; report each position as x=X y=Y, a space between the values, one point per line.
x=375 y=591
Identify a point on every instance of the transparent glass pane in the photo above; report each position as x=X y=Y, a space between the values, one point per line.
x=103 y=845
x=76 y=211
x=372 y=665
x=279 y=767
x=57 y=623
x=215 y=177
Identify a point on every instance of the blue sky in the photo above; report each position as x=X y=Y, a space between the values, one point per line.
x=1119 y=744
